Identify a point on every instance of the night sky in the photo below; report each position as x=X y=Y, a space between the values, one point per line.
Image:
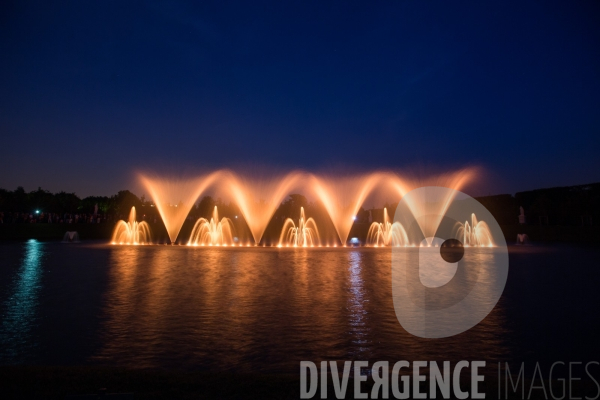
x=91 y=93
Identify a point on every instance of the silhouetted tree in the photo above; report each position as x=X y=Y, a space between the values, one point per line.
x=122 y=202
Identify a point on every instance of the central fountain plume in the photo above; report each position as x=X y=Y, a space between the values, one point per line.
x=387 y=233
x=305 y=234
x=213 y=232
x=131 y=232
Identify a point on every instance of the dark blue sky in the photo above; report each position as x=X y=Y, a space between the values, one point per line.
x=93 y=92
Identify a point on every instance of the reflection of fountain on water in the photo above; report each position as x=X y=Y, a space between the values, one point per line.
x=305 y=234
x=131 y=232
x=213 y=232
x=386 y=233
x=475 y=234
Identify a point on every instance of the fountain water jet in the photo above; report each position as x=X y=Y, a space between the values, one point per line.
x=342 y=198
x=305 y=234
x=475 y=234
x=131 y=232
x=387 y=233
x=213 y=232
x=174 y=198
x=429 y=204
x=259 y=198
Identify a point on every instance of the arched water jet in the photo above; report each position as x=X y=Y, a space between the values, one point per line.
x=343 y=197
x=387 y=233
x=305 y=234
x=131 y=232
x=175 y=197
x=213 y=232
x=429 y=204
x=259 y=198
x=475 y=234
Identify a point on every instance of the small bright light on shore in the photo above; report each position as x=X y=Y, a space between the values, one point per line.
x=37 y=211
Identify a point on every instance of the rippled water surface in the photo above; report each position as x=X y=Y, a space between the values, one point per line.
x=265 y=309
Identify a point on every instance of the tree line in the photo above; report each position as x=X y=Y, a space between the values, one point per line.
x=570 y=205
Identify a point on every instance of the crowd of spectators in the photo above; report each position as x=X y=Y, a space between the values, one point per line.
x=66 y=218
x=42 y=206
x=53 y=218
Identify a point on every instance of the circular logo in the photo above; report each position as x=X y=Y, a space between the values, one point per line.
x=454 y=270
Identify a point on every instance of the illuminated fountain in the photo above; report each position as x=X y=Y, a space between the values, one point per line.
x=305 y=234
x=174 y=198
x=213 y=232
x=259 y=195
x=342 y=197
x=387 y=233
x=258 y=198
x=430 y=203
x=131 y=232
x=475 y=234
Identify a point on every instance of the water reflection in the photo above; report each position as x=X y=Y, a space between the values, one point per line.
x=264 y=310
x=357 y=312
x=20 y=309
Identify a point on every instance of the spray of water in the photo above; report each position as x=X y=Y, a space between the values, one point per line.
x=387 y=233
x=131 y=232
x=174 y=198
x=213 y=232
x=258 y=196
x=305 y=234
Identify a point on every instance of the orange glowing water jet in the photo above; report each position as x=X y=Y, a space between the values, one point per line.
x=131 y=232
x=387 y=233
x=305 y=234
x=259 y=198
x=213 y=232
x=175 y=197
x=475 y=234
x=429 y=205
x=343 y=197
